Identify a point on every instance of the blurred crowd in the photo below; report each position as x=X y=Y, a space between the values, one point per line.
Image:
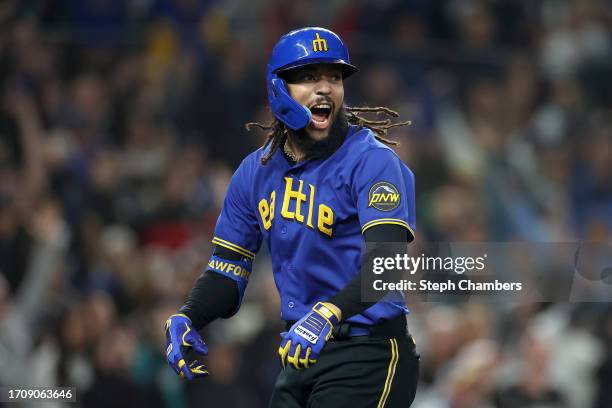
x=121 y=123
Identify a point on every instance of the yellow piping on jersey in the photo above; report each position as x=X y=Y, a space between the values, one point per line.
x=381 y=221
x=233 y=247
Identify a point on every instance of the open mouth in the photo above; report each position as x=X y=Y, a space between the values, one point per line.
x=321 y=113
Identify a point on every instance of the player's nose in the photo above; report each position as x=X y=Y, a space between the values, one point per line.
x=323 y=86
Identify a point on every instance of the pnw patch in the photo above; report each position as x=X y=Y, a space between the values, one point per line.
x=384 y=196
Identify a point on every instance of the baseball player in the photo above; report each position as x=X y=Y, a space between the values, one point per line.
x=324 y=184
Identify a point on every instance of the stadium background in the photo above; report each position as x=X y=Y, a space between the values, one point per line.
x=121 y=124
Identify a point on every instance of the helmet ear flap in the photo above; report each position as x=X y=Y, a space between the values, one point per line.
x=285 y=108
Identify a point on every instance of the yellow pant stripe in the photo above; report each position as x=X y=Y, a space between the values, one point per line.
x=390 y=374
x=226 y=244
x=380 y=221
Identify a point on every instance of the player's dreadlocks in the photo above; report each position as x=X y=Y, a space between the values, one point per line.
x=278 y=132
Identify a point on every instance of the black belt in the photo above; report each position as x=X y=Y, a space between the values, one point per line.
x=396 y=327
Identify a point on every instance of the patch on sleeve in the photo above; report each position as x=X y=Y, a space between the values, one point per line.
x=384 y=196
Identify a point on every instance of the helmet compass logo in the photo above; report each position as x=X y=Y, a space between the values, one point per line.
x=319 y=44
x=384 y=196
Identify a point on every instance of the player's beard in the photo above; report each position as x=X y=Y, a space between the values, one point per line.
x=318 y=149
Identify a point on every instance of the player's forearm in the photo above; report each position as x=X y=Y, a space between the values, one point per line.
x=213 y=296
x=348 y=300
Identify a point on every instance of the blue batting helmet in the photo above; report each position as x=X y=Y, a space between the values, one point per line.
x=311 y=45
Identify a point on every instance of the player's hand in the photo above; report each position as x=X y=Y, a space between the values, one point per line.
x=180 y=337
x=303 y=343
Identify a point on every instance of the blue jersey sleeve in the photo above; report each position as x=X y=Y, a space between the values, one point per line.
x=383 y=187
x=237 y=229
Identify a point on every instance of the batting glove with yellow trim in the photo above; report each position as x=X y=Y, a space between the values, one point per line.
x=180 y=337
x=303 y=343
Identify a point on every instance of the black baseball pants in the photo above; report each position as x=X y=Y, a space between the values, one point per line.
x=358 y=372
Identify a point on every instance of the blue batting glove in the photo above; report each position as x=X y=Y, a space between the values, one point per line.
x=303 y=343
x=180 y=337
